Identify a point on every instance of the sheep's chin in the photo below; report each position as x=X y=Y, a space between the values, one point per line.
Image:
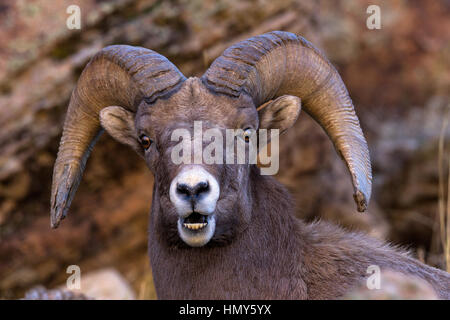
x=200 y=237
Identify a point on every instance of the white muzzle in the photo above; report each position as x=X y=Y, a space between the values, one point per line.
x=194 y=193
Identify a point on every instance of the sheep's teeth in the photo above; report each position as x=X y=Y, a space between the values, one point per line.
x=194 y=226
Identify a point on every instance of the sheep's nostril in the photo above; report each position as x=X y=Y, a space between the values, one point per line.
x=184 y=189
x=193 y=192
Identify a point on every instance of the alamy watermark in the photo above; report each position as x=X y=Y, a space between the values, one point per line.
x=74 y=19
x=374 y=280
x=73 y=282
x=374 y=20
x=227 y=146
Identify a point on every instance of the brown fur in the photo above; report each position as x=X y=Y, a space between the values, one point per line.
x=260 y=250
x=277 y=257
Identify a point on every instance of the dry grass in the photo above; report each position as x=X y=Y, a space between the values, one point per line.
x=443 y=229
x=147 y=288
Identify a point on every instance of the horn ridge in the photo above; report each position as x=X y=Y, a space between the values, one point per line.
x=116 y=75
x=281 y=63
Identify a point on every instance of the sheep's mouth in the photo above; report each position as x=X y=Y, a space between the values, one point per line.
x=195 y=221
x=196 y=229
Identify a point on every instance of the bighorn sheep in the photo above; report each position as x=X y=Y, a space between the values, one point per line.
x=226 y=231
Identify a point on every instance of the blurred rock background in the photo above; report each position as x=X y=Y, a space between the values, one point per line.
x=398 y=78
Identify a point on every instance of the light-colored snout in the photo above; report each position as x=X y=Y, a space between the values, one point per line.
x=194 y=193
x=194 y=190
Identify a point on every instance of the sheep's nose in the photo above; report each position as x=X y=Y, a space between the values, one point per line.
x=193 y=193
x=194 y=189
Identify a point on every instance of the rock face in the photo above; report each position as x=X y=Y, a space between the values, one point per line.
x=104 y=284
x=394 y=286
x=397 y=77
x=40 y=293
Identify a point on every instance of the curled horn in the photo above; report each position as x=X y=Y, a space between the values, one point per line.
x=279 y=63
x=117 y=75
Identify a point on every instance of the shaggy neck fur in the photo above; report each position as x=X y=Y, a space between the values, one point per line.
x=277 y=257
x=245 y=265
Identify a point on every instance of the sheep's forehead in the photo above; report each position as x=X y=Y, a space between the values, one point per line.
x=194 y=102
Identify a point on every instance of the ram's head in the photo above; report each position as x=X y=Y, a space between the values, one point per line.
x=140 y=99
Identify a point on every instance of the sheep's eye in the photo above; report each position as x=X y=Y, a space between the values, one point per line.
x=149 y=100
x=247 y=134
x=145 y=141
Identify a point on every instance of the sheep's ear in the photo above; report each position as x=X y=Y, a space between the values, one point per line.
x=280 y=113
x=119 y=123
